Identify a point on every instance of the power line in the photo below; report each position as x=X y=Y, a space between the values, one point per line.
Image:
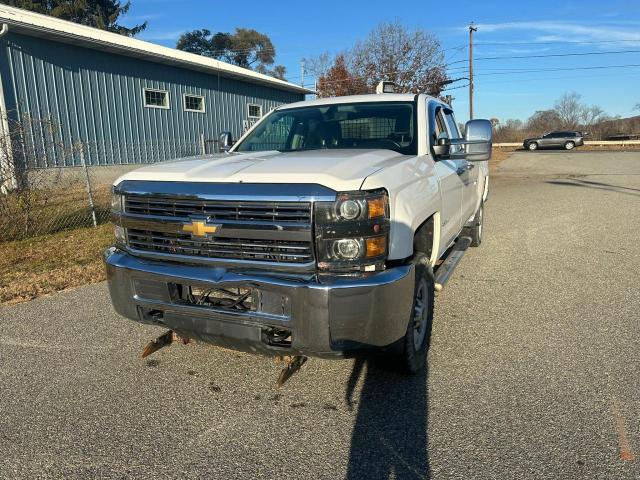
x=564 y=77
x=496 y=71
x=549 y=55
x=509 y=57
x=454 y=88
x=558 y=42
x=459 y=47
x=517 y=71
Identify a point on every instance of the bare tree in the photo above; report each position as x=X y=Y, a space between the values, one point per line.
x=412 y=59
x=508 y=131
x=569 y=109
x=592 y=115
x=544 y=121
x=318 y=66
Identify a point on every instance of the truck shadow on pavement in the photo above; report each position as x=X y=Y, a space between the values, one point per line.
x=597 y=185
x=389 y=439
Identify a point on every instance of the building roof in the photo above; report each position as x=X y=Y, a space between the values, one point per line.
x=34 y=24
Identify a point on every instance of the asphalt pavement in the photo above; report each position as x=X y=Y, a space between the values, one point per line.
x=533 y=372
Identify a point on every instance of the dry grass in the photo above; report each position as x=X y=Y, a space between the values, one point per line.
x=500 y=154
x=46 y=264
x=615 y=148
x=51 y=210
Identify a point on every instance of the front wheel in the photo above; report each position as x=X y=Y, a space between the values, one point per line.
x=569 y=146
x=533 y=146
x=418 y=336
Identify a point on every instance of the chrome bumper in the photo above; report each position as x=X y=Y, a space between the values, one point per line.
x=327 y=316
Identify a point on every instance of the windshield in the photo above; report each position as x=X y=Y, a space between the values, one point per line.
x=374 y=125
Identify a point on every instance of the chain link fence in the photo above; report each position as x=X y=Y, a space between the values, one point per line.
x=48 y=186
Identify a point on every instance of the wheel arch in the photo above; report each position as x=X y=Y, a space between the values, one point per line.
x=426 y=238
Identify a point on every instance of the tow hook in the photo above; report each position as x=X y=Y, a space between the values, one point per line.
x=163 y=340
x=292 y=364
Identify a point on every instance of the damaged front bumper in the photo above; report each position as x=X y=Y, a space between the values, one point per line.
x=311 y=315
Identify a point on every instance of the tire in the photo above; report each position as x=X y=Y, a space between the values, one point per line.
x=533 y=146
x=475 y=232
x=569 y=145
x=415 y=343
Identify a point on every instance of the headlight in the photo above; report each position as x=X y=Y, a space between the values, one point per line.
x=350 y=209
x=116 y=202
x=352 y=233
x=347 y=248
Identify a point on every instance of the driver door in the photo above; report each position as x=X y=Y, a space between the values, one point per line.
x=467 y=171
x=451 y=185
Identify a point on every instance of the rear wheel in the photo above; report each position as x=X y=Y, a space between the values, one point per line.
x=418 y=336
x=569 y=146
x=533 y=146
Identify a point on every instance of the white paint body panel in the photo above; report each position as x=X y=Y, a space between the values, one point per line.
x=340 y=170
x=419 y=187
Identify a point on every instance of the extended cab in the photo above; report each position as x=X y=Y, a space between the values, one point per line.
x=325 y=230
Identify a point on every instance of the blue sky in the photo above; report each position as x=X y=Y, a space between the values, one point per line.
x=505 y=28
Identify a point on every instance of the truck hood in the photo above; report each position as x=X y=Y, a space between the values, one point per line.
x=338 y=169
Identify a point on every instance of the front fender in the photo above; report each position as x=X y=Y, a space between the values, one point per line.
x=414 y=196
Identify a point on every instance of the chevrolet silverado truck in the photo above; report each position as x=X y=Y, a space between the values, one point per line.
x=324 y=231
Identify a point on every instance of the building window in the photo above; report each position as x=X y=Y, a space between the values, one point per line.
x=255 y=110
x=193 y=103
x=156 y=98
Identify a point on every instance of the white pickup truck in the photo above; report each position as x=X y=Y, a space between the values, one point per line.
x=325 y=230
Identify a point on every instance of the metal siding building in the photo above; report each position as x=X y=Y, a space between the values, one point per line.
x=70 y=85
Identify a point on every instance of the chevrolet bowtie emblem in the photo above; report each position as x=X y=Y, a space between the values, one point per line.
x=199 y=228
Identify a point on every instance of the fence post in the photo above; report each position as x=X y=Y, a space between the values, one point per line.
x=88 y=184
x=203 y=145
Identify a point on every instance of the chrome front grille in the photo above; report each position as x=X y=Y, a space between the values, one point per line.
x=227 y=248
x=258 y=231
x=294 y=212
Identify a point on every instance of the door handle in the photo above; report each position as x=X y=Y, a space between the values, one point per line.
x=465 y=168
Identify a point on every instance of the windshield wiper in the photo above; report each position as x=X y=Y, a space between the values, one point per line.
x=301 y=149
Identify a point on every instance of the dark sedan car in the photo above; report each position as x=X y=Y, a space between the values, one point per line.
x=566 y=140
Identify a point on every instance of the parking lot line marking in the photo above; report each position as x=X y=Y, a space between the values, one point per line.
x=626 y=454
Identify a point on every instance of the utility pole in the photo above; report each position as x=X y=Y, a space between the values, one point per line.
x=302 y=72
x=471 y=30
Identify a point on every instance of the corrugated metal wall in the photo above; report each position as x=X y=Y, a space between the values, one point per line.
x=63 y=94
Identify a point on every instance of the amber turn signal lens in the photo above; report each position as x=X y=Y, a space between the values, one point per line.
x=377 y=207
x=376 y=246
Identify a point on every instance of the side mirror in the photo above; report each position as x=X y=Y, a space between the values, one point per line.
x=442 y=147
x=477 y=143
x=478 y=136
x=225 y=141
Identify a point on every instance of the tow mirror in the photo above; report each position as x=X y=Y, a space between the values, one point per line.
x=477 y=143
x=225 y=141
x=478 y=135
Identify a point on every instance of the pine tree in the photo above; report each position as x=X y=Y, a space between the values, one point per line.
x=102 y=14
